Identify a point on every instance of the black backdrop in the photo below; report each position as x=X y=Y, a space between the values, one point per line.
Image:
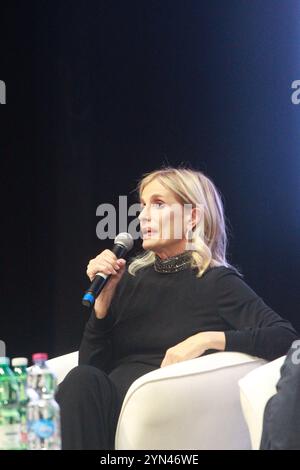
x=99 y=92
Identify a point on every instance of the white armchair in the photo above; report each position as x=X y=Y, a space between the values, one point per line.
x=190 y=405
x=256 y=388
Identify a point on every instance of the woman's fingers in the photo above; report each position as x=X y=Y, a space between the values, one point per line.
x=106 y=263
x=104 y=267
x=97 y=267
x=109 y=257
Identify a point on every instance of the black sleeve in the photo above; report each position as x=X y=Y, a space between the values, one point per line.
x=96 y=346
x=281 y=422
x=254 y=328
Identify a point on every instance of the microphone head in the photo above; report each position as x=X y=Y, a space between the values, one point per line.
x=124 y=239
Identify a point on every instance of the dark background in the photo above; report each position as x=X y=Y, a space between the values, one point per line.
x=99 y=92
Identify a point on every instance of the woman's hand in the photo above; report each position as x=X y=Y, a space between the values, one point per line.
x=194 y=346
x=106 y=263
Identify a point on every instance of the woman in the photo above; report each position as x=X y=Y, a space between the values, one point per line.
x=177 y=301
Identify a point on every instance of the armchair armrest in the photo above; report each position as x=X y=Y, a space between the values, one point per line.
x=256 y=388
x=189 y=405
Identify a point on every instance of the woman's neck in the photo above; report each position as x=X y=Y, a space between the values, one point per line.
x=166 y=253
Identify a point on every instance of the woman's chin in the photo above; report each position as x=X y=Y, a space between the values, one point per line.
x=150 y=243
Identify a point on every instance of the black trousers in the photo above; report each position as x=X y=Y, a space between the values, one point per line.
x=281 y=426
x=90 y=403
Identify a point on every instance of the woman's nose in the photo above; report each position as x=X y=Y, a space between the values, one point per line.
x=144 y=214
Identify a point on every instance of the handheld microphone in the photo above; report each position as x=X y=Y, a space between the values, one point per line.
x=123 y=244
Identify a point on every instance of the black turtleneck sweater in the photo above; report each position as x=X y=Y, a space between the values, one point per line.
x=154 y=311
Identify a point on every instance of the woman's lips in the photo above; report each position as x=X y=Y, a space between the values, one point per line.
x=148 y=233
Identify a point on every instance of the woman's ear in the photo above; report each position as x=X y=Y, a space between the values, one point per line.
x=196 y=216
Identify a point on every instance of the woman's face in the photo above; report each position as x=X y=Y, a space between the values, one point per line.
x=163 y=221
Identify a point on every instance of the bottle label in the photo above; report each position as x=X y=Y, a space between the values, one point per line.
x=10 y=435
x=43 y=428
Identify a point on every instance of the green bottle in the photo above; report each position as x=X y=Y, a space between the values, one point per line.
x=10 y=422
x=19 y=367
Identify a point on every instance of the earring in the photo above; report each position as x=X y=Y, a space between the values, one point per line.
x=189 y=234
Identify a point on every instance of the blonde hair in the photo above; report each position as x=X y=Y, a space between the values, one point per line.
x=192 y=187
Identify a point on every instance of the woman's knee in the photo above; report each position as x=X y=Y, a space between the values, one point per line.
x=82 y=377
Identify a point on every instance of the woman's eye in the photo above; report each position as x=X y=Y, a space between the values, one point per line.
x=158 y=204
x=155 y=205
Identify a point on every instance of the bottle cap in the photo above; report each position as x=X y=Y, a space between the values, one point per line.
x=4 y=361
x=19 y=361
x=39 y=357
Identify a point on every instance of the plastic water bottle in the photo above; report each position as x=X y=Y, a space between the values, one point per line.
x=43 y=413
x=10 y=422
x=19 y=367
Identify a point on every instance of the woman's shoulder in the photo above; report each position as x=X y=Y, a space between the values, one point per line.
x=230 y=281
x=220 y=271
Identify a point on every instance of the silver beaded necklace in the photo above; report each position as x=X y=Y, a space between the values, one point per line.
x=173 y=264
